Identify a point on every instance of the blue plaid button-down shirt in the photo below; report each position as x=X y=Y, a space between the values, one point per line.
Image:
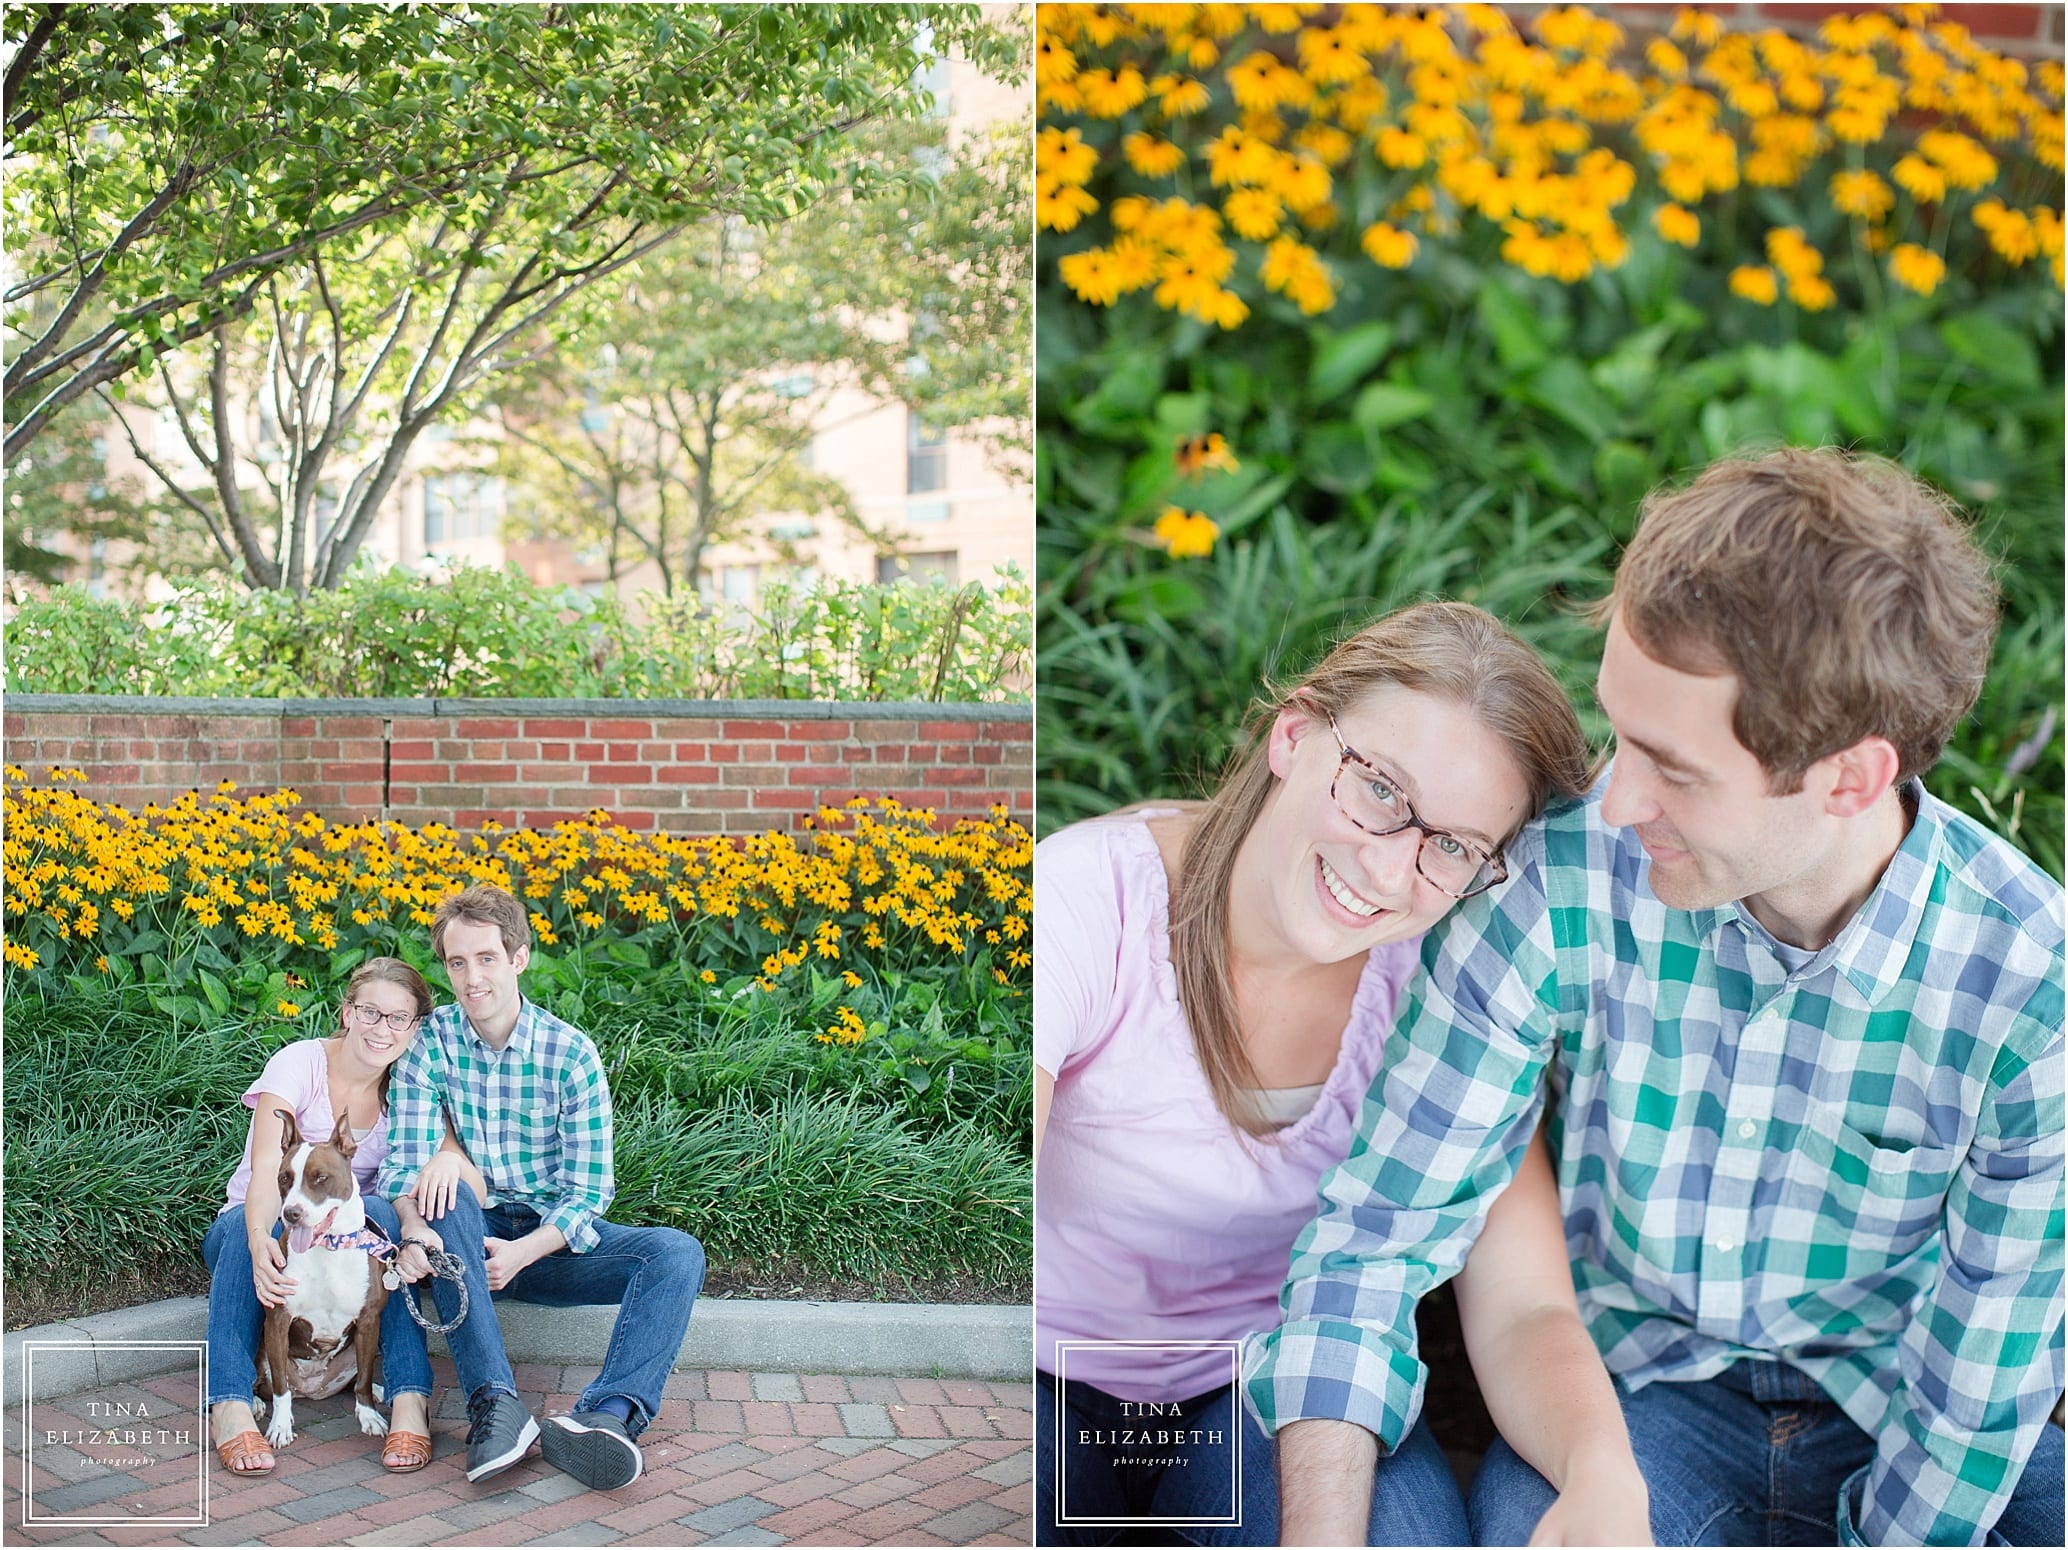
x=535 y=1116
x=1854 y=1167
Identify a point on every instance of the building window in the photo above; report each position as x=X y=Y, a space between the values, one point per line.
x=741 y=582
x=460 y=506
x=942 y=565
x=926 y=457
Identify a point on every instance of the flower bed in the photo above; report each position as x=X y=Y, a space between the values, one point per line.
x=817 y=1042
x=1345 y=307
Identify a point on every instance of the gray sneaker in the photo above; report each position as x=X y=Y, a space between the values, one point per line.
x=500 y=1433
x=594 y=1447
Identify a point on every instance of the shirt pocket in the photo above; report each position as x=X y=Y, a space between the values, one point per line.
x=534 y=1132
x=1888 y=1192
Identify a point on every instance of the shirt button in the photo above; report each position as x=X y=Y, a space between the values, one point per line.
x=1725 y=1245
x=1747 y=1129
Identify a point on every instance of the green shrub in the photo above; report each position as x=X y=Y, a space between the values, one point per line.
x=475 y=632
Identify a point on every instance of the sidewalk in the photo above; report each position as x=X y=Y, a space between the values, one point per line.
x=735 y=1458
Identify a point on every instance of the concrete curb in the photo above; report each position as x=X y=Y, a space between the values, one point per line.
x=950 y=1340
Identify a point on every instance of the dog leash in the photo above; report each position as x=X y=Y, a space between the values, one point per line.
x=445 y=1266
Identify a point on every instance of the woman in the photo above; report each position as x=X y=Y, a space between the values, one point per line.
x=318 y=1080
x=1213 y=990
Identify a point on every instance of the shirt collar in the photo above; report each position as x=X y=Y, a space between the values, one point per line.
x=1872 y=948
x=520 y=1036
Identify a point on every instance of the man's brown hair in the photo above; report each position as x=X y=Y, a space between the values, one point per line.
x=484 y=904
x=1846 y=597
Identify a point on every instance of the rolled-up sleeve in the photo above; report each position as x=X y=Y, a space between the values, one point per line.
x=415 y=1119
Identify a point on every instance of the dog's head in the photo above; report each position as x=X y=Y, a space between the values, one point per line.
x=318 y=1193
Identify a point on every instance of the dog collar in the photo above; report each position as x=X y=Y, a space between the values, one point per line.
x=365 y=1238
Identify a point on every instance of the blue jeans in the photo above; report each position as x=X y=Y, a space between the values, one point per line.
x=1415 y=1498
x=237 y=1319
x=1755 y=1456
x=652 y=1273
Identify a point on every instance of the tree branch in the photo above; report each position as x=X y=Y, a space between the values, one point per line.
x=47 y=23
x=263 y=568
x=120 y=356
x=21 y=367
x=222 y=543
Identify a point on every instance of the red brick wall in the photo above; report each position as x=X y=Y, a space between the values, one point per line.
x=712 y=768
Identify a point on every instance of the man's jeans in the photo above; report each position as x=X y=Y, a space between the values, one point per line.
x=236 y=1318
x=652 y=1273
x=1415 y=1498
x=1755 y=1456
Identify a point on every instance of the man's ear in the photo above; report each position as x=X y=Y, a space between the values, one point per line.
x=1296 y=721
x=1855 y=778
x=521 y=957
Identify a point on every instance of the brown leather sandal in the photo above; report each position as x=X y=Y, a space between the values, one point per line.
x=405 y=1452
x=241 y=1451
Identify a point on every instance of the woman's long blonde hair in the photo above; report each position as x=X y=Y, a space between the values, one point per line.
x=1450 y=650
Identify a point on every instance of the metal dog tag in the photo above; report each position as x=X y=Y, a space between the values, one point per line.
x=390 y=1280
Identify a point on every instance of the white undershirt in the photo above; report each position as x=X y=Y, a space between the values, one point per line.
x=1282 y=1106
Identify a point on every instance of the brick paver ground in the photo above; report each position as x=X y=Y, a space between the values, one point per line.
x=735 y=1458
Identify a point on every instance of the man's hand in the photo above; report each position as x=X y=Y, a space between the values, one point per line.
x=507 y=1258
x=1608 y=1505
x=438 y=1185
x=413 y=1264
x=268 y=1271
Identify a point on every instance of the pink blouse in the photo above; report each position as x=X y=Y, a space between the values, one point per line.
x=1154 y=1220
x=299 y=1073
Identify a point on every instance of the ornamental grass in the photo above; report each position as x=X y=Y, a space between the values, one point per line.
x=1213 y=154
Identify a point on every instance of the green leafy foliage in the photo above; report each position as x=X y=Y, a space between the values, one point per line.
x=677 y=417
x=475 y=632
x=1460 y=430
x=167 y=162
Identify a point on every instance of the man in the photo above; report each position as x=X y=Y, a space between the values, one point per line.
x=528 y=1100
x=1802 y=1025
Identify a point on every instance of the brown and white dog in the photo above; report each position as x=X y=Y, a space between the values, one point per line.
x=329 y=1329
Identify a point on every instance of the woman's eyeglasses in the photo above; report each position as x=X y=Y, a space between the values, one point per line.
x=1370 y=799
x=369 y=1016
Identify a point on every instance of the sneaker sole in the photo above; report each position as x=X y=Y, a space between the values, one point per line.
x=504 y=1460
x=600 y=1459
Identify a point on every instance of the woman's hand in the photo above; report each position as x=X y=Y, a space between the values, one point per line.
x=413 y=1264
x=437 y=1188
x=268 y=1270
x=1600 y=1505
